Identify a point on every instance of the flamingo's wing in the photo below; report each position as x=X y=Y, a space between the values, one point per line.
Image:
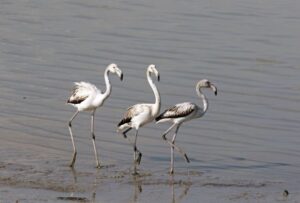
x=81 y=91
x=131 y=112
x=178 y=111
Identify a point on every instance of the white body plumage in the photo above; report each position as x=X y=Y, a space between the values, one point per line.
x=91 y=96
x=87 y=97
x=138 y=115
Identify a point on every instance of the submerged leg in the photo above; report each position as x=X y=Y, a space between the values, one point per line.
x=172 y=151
x=136 y=160
x=93 y=139
x=72 y=138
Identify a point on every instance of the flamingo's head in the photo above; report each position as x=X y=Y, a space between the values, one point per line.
x=113 y=68
x=152 y=69
x=206 y=84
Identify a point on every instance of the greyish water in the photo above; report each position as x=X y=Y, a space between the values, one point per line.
x=245 y=148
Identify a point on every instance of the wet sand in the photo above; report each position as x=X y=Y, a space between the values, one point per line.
x=28 y=183
x=245 y=149
x=33 y=177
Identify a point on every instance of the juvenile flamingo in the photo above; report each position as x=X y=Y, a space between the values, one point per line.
x=184 y=112
x=87 y=97
x=138 y=115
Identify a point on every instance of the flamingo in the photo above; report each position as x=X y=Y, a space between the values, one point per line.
x=181 y=113
x=87 y=97
x=138 y=115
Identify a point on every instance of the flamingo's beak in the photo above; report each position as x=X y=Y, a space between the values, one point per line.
x=214 y=88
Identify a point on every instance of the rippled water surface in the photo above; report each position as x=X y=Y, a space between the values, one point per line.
x=249 y=49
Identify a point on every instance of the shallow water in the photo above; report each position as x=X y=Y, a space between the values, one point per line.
x=249 y=49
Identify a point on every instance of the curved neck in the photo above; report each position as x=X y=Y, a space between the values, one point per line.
x=156 y=94
x=107 y=83
x=204 y=101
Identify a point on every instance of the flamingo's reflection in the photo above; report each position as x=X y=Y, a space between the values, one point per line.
x=179 y=184
x=179 y=188
x=137 y=189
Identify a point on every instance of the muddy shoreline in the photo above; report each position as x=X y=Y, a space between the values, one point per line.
x=62 y=184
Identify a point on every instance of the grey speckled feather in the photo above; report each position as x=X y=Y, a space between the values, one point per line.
x=177 y=111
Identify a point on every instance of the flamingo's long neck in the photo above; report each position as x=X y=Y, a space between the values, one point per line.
x=204 y=101
x=107 y=83
x=156 y=107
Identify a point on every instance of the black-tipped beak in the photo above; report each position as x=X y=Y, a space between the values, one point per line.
x=158 y=77
x=214 y=88
x=121 y=78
